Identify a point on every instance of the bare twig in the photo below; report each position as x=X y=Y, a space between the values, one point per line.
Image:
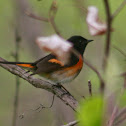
x=122 y=111
x=79 y=4
x=38 y=109
x=121 y=116
x=66 y=97
x=108 y=34
x=52 y=14
x=118 y=9
x=43 y=107
x=52 y=102
x=102 y=83
x=90 y=87
x=115 y=115
x=72 y=123
x=122 y=119
x=112 y=118
x=34 y=16
x=16 y=99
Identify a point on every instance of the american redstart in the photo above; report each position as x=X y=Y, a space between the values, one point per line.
x=53 y=69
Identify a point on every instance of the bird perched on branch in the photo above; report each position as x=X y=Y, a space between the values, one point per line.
x=53 y=69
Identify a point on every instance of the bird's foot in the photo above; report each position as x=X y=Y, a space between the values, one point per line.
x=58 y=85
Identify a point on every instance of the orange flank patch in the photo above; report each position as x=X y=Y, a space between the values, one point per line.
x=56 y=61
x=26 y=65
x=74 y=69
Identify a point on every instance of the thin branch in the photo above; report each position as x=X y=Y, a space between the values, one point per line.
x=52 y=102
x=102 y=83
x=108 y=34
x=66 y=97
x=121 y=116
x=34 y=16
x=38 y=109
x=41 y=106
x=72 y=123
x=112 y=118
x=16 y=99
x=122 y=119
x=121 y=113
x=52 y=14
x=122 y=5
x=90 y=87
x=115 y=115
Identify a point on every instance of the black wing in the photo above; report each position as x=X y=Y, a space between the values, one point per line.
x=44 y=65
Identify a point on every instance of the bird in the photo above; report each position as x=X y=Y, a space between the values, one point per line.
x=54 y=70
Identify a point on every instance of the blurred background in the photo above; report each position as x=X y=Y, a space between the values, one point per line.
x=70 y=20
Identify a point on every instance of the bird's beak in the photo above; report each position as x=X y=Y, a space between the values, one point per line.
x=89 y=41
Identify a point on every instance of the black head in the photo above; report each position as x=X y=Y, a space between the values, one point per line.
x=79 y=43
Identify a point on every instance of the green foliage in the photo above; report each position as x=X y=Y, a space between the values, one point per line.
x=91 y=112
x=123 y=99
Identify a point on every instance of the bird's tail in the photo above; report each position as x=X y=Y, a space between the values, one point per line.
x=22 y=64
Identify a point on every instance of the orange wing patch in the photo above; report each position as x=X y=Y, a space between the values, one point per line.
x=56 y=61
x=26 y=65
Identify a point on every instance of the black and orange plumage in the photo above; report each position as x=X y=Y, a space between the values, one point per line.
x=53 y=69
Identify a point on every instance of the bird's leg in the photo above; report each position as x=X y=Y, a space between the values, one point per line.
x=27 y=71
x=31 y=75
x=60 y=86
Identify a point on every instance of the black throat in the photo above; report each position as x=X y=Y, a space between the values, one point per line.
x=81 y=48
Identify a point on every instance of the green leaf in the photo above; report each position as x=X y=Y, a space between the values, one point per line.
x=91 y=112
